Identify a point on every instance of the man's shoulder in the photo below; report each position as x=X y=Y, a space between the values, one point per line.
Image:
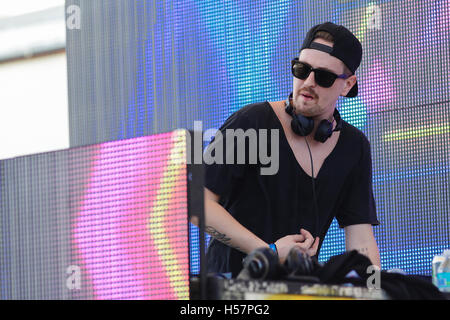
x=250 y=115
x=254 y=109
x=356 y=135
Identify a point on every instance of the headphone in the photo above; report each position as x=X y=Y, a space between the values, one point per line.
x=263 y=264
x=303 y=126
x=300 y=264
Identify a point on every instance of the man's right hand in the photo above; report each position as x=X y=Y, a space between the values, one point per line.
x=304 y=240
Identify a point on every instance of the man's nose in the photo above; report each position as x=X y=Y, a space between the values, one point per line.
x=310 y=81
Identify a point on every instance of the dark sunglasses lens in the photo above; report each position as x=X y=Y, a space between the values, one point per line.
x=301 y=70
x=324 y=78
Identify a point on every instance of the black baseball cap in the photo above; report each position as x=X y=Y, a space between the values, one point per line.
x=346 y=47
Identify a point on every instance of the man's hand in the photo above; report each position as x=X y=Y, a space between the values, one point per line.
x=305 y=241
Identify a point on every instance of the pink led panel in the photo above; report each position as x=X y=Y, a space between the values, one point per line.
x=130 y=227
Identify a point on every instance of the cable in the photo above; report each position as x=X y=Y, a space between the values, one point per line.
x=316 y=210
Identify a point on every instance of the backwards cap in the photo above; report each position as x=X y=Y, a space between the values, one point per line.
x=346 y=47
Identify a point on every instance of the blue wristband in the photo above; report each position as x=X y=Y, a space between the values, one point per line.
x=273 y=247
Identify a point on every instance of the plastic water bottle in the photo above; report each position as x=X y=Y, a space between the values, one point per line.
x=443 y=273
x=437 y=261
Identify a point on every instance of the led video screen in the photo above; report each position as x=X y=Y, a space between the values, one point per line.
x=150 y=66
x=106 y=221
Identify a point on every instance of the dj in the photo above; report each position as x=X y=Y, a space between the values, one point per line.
x=324 y=172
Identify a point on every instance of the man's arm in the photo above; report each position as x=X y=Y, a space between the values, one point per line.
x=221 y=225
x=360 y=237
x=225 y=228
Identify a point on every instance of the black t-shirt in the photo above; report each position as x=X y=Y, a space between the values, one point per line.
x=273 y=206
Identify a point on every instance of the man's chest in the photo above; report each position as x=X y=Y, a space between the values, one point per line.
x=319 y=152
x=298 y=148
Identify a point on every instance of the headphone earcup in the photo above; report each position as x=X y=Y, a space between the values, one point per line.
x=262 y=263
x=302 y=125
x=298 y=263
x=323 y=131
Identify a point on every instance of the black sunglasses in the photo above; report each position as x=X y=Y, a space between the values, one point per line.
x=322 y=77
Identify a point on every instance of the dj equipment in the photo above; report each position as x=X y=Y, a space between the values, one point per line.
x=239 y=289
x=299 y=277
x=344 y=276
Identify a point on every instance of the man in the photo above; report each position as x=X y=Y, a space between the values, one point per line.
x=320 y=176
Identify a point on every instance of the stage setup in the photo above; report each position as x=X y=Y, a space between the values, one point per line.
x=120 y=214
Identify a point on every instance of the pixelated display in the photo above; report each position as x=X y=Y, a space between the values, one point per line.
x=107 y=221
x=202 y=60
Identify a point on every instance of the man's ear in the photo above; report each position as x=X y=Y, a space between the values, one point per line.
x=349 y=83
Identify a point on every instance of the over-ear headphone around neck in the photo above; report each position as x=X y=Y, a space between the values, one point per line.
x=303 y=126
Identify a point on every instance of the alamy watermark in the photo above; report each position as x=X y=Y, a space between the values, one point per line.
x=235 y=146
x=374 y=280
x=73 y=19
x=73 y=281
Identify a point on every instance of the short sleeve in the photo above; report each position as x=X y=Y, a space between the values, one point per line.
x=358 y=206
x=221 y=174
